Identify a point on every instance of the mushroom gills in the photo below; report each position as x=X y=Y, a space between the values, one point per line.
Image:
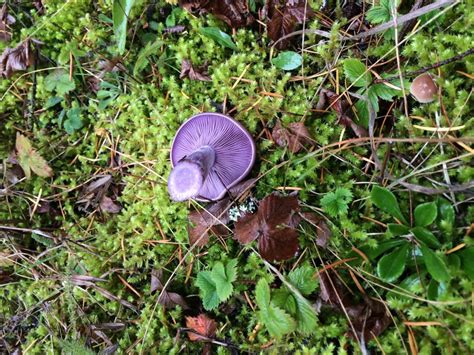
x=188 y=176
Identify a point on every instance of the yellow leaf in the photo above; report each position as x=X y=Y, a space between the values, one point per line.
x=29 y=159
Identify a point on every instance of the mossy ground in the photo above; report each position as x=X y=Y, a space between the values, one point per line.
x=41 y=308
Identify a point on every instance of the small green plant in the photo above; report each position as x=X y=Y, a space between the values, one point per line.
x=215 y=286
x=336 y=203
x=383 y=13
x=286 y=309
x=415 y=245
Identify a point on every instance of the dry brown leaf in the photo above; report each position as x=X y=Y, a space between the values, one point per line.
x=108 y=205
x=16 y=59
x=5 y=21
x=167 y=299
x=203 y=326
x=295 y=137
x=194 y=73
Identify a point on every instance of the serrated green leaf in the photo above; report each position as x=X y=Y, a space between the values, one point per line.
x=392 y=265
x=425 y=214
x=262 y=294
x=120 y=12
x=223 y=286
x=362 y=113
x=337 y=202
x=306 y=320
x=397 y=229
x=384 y=92
x=277 y=321
x=357 y=73
x=219 y=36
x=387 y=202
x=435 y=265
x=207 y=290
x=425 y=236
x=288 y=60
x=59 y=82
x=303 y=278
x=283 y=298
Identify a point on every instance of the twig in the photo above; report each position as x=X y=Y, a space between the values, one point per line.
x=27 y=230
x=430 y=67
x=377 y=29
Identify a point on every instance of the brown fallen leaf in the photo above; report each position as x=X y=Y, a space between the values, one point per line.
x=101 y=193
x=203 y=223
x=274 y=224
x=323 y=233
x=108 y=205
x=29 y=159
x=16 y=59
x=5 y=21
x=167 y=299
x=235 y=13
x=368 y=317
x=328 y=98
x=203 y=327
x=284 y=16
x=295 y=137
x=194 y=73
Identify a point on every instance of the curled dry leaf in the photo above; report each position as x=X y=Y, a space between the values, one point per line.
x=101 y=193
x=167 y=299
x=235 y=13
x=274 y=224
x=328 y=98
x=368 y=317
x=108 y=205
x=29 y=159
x=283 y=16
x=5 y=21
x=16 y=59
x=202 y=326
x=295 y=137
x=194 y=73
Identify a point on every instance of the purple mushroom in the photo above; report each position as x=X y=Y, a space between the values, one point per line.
x=210 y=153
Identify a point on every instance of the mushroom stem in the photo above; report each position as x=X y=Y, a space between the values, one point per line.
x=187 y=177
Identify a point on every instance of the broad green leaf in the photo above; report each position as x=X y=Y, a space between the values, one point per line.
x=283 y=298
x=53 y=101
x=467 y=258
x=219 y=36
x=207 y=290
x=59 y=81
x=223 y=278
x=303 y=278
x=397 y=229
x=373 y=253
x=426 y=237
x=73 y=122
x=362 y=113
x=392 y=265
x=231 y=270
x=306 y=320
x=120 y=12
x=357 y=73
x=288 y=60
x=384 y=92
x=434 y=264
x=425 y=214
x=387 y=202
x=436 y=289
x=29 y=159
x=454 y=262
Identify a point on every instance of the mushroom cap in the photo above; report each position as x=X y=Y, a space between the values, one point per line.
x=423 y=88
x=233 y=146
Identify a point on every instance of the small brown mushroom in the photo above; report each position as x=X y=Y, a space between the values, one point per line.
x=423 y=88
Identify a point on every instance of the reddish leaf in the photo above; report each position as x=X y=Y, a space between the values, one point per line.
x=16 y=59
x=341 y=107
x=198 y=73
x=274 y=225
x=167 y=299
x=233 y=12
x=283 y=18
x=203 y=223
x=203 y=326
x=5 y=20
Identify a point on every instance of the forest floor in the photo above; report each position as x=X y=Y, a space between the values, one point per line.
x=352 y=232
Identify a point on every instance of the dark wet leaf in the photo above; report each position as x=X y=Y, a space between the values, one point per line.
x=295 y=136
x=323 y=233
x=101 y=193
x=202 y=223
x=219 y=36
x=202 y=326
x=194 y=73
x=16 y=59
x=274 y=224
x=5 y=21
x=166 y=298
